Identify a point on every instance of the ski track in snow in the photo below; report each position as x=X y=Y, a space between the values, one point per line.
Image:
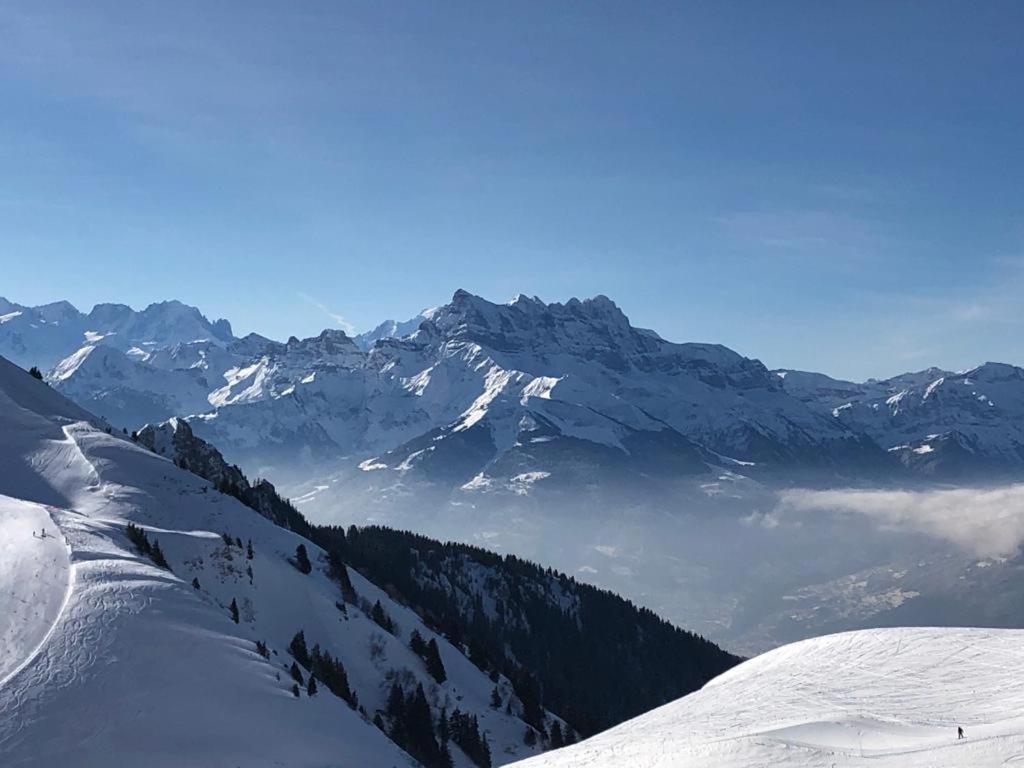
x=37 y=588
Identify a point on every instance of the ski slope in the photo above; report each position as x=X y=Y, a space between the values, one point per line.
x=889 y=698
x=35 y=574
x=107 y=659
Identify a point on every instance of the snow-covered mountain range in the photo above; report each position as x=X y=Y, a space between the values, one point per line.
x=937 y=423
x=151 y=617
x=488 y=396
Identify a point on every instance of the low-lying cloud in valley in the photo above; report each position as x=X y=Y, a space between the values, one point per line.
x=986 y=521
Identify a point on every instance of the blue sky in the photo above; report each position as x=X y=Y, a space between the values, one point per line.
x=835 y=189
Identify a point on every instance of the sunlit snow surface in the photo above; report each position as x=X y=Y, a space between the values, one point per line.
x=888 y=697
x=107 y=660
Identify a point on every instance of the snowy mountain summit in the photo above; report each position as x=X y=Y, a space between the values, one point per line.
x=469 y=394
x=473 y=393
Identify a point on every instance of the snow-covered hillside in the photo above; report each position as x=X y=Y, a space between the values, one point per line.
x=105 y=655
x=891 y=698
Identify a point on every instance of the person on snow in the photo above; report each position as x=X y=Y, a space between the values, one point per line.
x=959 y=733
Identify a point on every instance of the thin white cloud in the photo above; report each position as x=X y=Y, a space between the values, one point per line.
x=338 y=318
x=986 y=521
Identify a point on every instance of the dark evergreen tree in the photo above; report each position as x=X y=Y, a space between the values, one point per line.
x=395 y=710
x=295 y=690
x=432 y=655
x=311 y=687
x=138 y=538
x=297 y=648
x=420 y=728
x=416 y=643
x=234 y=610
x=331 y=673
x=530 y=737
x=248 y=550
x=302 y=559
x=557 y=741
x=339 y=573
x=380 y=616
x=195 y=584
x=157 y=555
x=495 y=698
x=262 y=650
x=296 y=673
x=443 y=731
x=35 y=373
x=465 y=731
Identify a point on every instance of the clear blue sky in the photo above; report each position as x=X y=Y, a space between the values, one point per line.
x=830 y=188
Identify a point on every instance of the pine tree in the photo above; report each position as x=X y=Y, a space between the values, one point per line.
x=138 y=538
x=302 y=559
x=495 y=698
x=380 y=616
x=248 y=550
x=556 y=736
x=157 y=555
x=296 y=673
x=297 y=648
x=234 y=610
x=530 y=737
x=35 y=373
x=445 y=758
x=434 y=664
x=443 y=732
x=311 y=687
x=195 y=584
x=295 y=690
x=416 y=643
x=396 y=702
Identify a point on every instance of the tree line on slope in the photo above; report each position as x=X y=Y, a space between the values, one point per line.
x=591 y=656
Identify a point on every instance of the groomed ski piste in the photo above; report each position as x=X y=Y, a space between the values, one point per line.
x=107 y=659
x=889 y=698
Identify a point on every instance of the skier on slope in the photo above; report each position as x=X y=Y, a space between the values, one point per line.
x=959 y=733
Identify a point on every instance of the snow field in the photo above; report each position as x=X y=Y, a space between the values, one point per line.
x=891 y=698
